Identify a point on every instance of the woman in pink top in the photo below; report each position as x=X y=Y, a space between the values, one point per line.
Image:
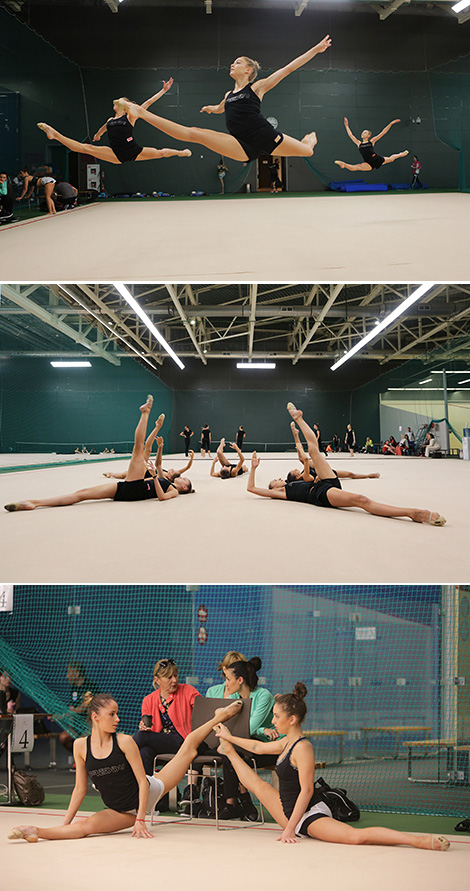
x=166 y=714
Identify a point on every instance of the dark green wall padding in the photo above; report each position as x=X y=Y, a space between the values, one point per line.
x=78 y=100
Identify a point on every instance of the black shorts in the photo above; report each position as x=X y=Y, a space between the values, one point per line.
x=205 y=444
x=261 y=142
x=318 y=492
x=127 y=152
x=135 y=490
x=308 y=821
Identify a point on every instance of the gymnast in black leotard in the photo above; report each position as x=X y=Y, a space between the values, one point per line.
x=227 y=470
x=298 y=807
x=250 y=134
x=123 y=146
x=136 y=486
x=371 y=160
x=113 y=763
x=326 y=491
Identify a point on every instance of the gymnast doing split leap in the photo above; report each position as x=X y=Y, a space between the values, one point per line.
x=250 y=134
x=136 y=487
x=112 y=762
x=366 y=145
x=120 y=134
x=326 y=491
x=298 y=807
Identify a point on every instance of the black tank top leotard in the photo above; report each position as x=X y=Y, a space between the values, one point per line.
x=312 y=492
x=121 y=139
x=140 y=490
x=113 y=777
x=370 y=156
x=245 y=122
x=289 y=785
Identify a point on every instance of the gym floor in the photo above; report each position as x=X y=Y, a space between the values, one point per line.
x=330 y=236
x=223 y=534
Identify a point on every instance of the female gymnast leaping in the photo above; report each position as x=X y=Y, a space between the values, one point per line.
x=371 y=160
x=250 y=134
x=327 y=492
x=136 y=486
x=113 y=763
x=309 y=472
x=298 y=807
x=120 y=134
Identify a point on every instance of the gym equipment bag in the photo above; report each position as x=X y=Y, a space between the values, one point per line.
x=28 y=789
x=341 y=806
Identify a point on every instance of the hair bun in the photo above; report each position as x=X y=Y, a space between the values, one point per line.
x=300 y=691
x=256 y=663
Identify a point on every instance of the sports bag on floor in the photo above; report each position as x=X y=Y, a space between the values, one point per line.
x=340 y=805
x=28 y=789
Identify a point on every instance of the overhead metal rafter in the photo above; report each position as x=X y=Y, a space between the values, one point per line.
x=172 y=292
x=335 y=290
x=41 y=313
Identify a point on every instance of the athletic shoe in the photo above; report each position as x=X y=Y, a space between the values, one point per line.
x=186 y=799
x=249 y=811
x=230 y=812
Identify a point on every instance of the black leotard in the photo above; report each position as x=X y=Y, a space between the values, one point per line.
x=312 y=492
x=139 y=490
x=246 y=123
x=370 y=156
x=121 y=139
x=289 y=785
x=113 y=777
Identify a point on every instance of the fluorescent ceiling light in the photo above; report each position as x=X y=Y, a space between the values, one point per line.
x=466 y=381
x=124 y=292
x=386 y=321
x=464 y=371
x=427 y=389
x=64 y=364
x=460 y=6
x=427 y=381
x=256 y=364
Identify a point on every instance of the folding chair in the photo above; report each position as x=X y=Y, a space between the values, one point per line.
x=239 y=726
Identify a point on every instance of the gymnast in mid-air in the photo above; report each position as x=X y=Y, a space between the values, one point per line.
x=120 y=129
x=136 y=487
x=250 y=134
x=325 y=490
x=366 y=145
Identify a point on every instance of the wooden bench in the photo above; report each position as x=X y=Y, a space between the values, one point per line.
x=396 y=730
x=319 y=734
x=424 y=745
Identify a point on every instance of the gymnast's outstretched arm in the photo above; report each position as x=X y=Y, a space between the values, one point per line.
x=384 y=131
x=350 y=133
x=267 y=83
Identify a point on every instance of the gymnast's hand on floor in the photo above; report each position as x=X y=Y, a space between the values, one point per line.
x=288 y=837
x=140 y=830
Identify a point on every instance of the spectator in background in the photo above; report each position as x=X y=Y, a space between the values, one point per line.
x=240 y=436
x=222 y=170
x=416 y=170
x=187 y=433
x=7 y=198
x=276 y=184
x=350 y=440
x=411 y=439
x=369 y=446
x=12 y=695
x=65 y=195
x=205 y=440
x=80 y=685
x=335 y=442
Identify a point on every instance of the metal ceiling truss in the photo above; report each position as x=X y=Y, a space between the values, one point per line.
x=203 y=322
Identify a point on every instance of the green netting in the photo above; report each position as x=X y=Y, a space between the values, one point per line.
x=374 y=659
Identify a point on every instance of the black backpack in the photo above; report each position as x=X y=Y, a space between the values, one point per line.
x=208 y=797
x=28 y=789
x=341 y=806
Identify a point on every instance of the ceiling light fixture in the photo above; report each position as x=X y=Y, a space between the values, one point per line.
x=256 y=364
x=71 y=364
x=459 y=7
x=124 y=292
x=387 y=321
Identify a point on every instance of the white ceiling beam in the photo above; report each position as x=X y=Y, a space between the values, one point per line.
x=334 y=291
x=391 y=8
x=252 y=321
x=40 y=313
x=172 y=292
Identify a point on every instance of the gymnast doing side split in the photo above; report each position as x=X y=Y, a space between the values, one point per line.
x=298 y=807
x=136 y=487
x=250 y=134
x=120 y=130
x=112 y=762
x=366 y=145
x=326 y=491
